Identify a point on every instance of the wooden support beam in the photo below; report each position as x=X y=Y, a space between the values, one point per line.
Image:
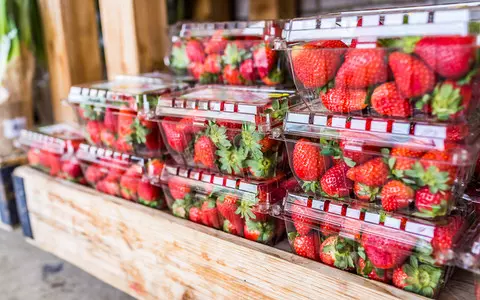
x=135 y=35
x=151 y=254
x=271 y=9
x=212 y=10
x=73 y=53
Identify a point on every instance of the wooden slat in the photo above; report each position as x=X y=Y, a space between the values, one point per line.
x=271 y=9
x=212 y=10
x=135 y=35
x=71 y=41
x=150 y=254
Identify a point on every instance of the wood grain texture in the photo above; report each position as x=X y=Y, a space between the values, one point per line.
x=135 y=35
x=271 y=9
x=150 y=254
x=71 y=41
x=212 y=10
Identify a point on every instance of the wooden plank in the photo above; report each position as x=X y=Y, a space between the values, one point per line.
x=212 y=10
x=150 y=254
x=271 y=9
x=135 y=35
x=71 y=41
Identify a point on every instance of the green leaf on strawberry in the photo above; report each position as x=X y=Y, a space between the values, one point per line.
x=138 y=135
x=179 y=59
x=446 y=101
x=431 y=177
x=421 y=279
x=261 y=168
x=251 y=141
x=218 y=135
x=92 y=112
x=311 y=186
x=232 y=159
x=233 y=56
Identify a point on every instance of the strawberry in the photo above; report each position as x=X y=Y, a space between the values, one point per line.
x=94 y=174
x=264 y=58
x=303 y=245
x=209 y=214
x=231 y=128
x=386 y=249
x=108 y=138
x=456 y=132
x=126 y=118
x=33 y=156
x=267 y=144
x=54 y=163
x=149 y=194
x=396 y=195
x=217 y=43
x=261 y=168
x=176 y=139
x=231 y=75
x=212 y=64
x=445 y=236
x=128 y=186
x=344 y=100
x=94 y=129
x=195 y=52
x=448 y=100
x=449 y=56
x=388 y=102
x=155 y=167
x=302 y=224
x=338 y=252
x=315 y=63
x=372 y=173
x=181 y=207
x=362 y=68
x=227 y=206
x=335 y=182
x=72 y=170
x=330 y=224
x=262 y=232
x=441 y=161
x=232 y=160
x=432 y=204
x=195 y=214
x=274 y=78
x=422 y=279
x=412 y=77
x=204 y=152
x=228 y=227
x=108 y=187
x=122 y=145
x=364 y=192
x=308 y=164
x=405 y=157
x=197 y=69
x=246 y=71
x=110 y=119
x=178 y=188
x=366 y=269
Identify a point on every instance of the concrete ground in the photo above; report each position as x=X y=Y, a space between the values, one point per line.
x=27 y=272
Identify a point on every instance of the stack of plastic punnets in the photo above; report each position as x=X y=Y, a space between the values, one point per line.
x=384 y=141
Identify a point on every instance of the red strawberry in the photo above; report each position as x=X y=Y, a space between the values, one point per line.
x=366 y=269
x=110 y=120
x=302 y=223
x=315 y=63
x=227 y=205
x=187 y=126
x=228 y=227
x=94 y=174
x=440 y=160
x=178 y=188
x=445 y=236
x=126 y=118
x=344 y=100
x=122 y=145
x=364 y=192
x=303 y=245
x=264 y=58
x=396 y=195
x=231 y=75
x=262 y=232
x=94 y=129
x=330 y=224
x=449 y=56
x=195 y=51
x=362 y=68
x=128 y=186
x=72 y=170
x=197 y=69
x=217 y=43
x=195 y=214
x=386 y=249
x=412 y=76
x=432 y=204
x=339 y=252
x=335 y=182
x=308 y=164
x=357 y=157
x=108 y=187
x=387 y=101
x=149 y=194
x=212 y=64
x=274 y=78
x=108 y=138
x=176 y=139
x=457 y=132
x=372 y=173
x=405 y=157
x=204 y=152
x=246 y=70
x=232 y=128
x=54 y=163
x=399 y=278
x=155 y=167
x=209 y=214
x=147 y=132
x=33 y=156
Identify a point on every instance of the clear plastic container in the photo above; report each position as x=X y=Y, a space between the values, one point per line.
x=122 y=175
x=408 y=253
x=235 y=205
x=407 y=63
x=52 y=149
x=468 y=256
x=226 y=129
x=389 y=165
x=107 y=112
x=235 y=53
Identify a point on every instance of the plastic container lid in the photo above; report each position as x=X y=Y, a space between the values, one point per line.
x=415 y=234
x=108 y=158
x=266 y=107
x=58 y=138
x=453 y=19
x=235 y=28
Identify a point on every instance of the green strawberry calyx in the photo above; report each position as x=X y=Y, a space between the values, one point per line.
x=245 y=208
x=218 y=135
x=264 y=228
x=262 y=168
x=139 y=133
x=407 y=44
x=232 y=160
x=179 y=59
x=279 y=109
x=431 y=177
x=433 y=210
x=422 y=279
x=343 y=251
x=233 y=56
x=311 y=186
x=153 y=204
x=446 y=101
x=370 y=191
x=251 y=140
x=92 y=112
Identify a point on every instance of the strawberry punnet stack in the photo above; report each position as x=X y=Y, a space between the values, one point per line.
x=125 y=149
x=384 y=142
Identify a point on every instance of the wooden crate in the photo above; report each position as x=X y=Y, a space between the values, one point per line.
x=150 y=254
